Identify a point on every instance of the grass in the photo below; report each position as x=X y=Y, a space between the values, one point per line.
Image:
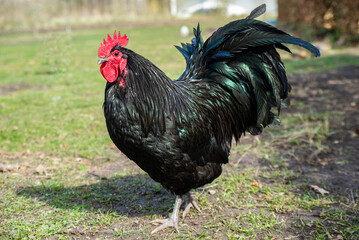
x=321 y=64
x=52 y=127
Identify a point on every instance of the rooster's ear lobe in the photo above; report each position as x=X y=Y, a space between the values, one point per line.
x=124 y=56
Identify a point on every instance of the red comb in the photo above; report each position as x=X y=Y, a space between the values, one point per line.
x=106 y=46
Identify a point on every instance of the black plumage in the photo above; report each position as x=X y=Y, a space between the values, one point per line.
x=180 y=131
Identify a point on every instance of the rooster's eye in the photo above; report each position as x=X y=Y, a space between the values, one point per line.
x=116 y=54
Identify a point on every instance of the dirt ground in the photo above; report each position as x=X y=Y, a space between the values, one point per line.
x=337 y=93
x=337 y=167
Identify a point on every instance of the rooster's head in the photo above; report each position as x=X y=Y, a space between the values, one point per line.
x=113 y=61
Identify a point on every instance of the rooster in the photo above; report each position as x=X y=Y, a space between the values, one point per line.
x=180 y=131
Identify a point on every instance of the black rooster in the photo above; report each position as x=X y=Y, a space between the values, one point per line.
x=180 y=131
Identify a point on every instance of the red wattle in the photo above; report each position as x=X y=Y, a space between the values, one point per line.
x=109 y=71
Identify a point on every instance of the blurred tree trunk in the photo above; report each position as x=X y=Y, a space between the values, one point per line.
x=159 y=6
x=337 y=18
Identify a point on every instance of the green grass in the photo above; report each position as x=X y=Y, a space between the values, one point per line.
x=51 y=115
x=321 y=64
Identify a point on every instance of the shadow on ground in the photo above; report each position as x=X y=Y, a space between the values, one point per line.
x=131 y=195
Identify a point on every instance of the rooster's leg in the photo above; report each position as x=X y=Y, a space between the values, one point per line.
x=172 y=221
x=189 y=204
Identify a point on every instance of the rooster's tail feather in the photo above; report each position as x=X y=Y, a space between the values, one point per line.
x=241 y=58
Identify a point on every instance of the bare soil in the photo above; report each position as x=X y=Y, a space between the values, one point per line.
x=337 y=93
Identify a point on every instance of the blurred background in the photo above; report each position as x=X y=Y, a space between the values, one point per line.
x=333 y=18
x=40 y=15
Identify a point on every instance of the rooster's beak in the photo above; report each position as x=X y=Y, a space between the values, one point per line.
x=102 y=60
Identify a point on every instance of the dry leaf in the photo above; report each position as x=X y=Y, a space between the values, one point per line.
x=256 y=184
x=24 y=167
x=211 y=191
x=8 y=167
x=339 y=237
x=319 y=189
x=40 y=170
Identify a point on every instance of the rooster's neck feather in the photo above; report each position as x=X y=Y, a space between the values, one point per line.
x=149 y=95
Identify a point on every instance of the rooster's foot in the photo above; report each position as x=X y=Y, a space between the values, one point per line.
x=190 y=203
x=165 y=223
x=172 y=221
